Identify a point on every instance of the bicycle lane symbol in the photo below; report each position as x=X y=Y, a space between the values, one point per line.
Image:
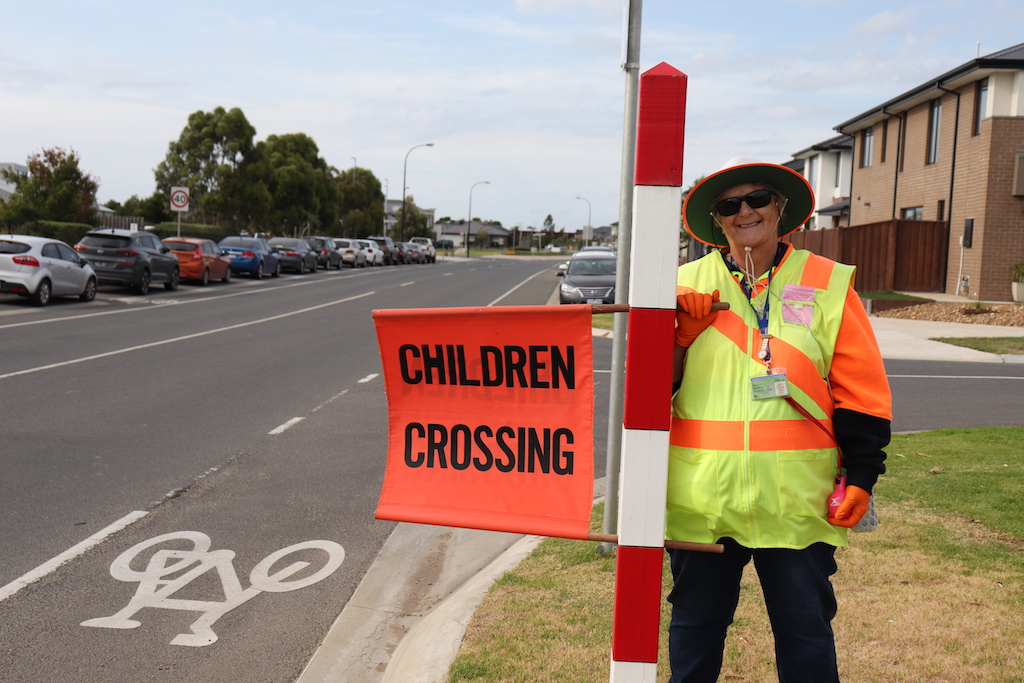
x=156 y=585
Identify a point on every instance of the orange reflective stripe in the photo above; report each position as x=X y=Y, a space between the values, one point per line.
x=732 y=326
x=797 y=364
x=765 y=435
x=817 y=272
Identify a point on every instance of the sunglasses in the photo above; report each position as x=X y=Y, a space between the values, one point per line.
x=732 y=206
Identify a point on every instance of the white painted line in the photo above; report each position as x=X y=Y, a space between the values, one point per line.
x=286 y=425
x=185 y=338
x=447 y=274
x=518 y=286
x=69 y=554
x=406 y=284
x=369 y=378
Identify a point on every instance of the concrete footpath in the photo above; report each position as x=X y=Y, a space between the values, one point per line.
x=408 y=616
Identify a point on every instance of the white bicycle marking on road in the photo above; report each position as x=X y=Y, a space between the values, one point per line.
x=156 y=588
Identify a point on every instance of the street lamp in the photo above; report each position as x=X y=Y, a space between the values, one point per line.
x=588 y=217
x=469 y=218
x=401 y=227
x=384 y=220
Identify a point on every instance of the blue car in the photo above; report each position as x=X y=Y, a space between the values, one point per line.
x=251 y=255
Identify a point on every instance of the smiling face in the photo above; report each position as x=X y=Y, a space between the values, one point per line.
x=754 y=228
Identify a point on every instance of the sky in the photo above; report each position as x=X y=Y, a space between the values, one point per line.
x=528 y=95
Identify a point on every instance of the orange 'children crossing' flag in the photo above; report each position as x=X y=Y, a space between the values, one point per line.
x=490 y=418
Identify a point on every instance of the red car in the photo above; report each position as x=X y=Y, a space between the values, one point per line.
x=199 y=259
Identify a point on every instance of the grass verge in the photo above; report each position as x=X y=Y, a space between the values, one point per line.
x=894 y=296
x=934 y=595
x=1000 y=345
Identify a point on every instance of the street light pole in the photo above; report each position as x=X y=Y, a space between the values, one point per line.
x=588 y=218
x=405 y=165
x=469 y=218
x=384 y=220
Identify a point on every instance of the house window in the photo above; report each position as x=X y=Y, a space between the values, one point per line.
x=885 y=138
x=812 y=172
x=934 y=122
x=980 y=104
x=867 y=146
x=914 y=213
x=941 y=212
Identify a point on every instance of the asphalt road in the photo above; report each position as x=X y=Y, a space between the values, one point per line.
x=245 y=422
x=250 y=417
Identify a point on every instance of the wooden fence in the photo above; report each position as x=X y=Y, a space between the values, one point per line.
x=892 y=255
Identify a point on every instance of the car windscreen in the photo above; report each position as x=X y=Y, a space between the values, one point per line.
x=586 y=266
x=341 y=244
x=237 y=242
x=180 y=246
x=7 y=247
x=284 y=242
x=107 y=241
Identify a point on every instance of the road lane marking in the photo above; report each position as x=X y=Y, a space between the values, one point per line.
x=281 y=428
x=184 y=338
x=170 y=570
x=547 y=270
x=369 y=378
x=71 y=553
x=151 y=304
x=406 y=284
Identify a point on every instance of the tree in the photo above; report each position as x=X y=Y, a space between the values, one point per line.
x=54 y=189
x=154 y=209
x=215 y=158
x=304 y=198
x=361 y=202
x=415 y=222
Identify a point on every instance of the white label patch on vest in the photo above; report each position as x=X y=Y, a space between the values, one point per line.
x=769 y=386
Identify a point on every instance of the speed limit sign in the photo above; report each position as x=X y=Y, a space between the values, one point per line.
x=179 y=199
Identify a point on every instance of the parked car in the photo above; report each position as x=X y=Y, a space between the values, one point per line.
x=391 y=254
x=252 y=255
x=327 y=256
x=131 y=258
x=374 y=254
x=401 y=253
x=199 y=259
x=597 y=247
x=296 y=254
x=427 y=247
x=351 y=252
x=41 y=268
x=589 y=279
x=414 y=252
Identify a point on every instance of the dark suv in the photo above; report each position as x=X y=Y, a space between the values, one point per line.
x=327 y=254
x=392 y=255
x=132 y=258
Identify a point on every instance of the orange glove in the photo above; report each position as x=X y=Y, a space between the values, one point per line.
x=852 y=508
x=693 y=314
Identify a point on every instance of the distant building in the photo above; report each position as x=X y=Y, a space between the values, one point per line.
x=392 y=207
x=6 y=188
x=459 y=231
x=827 y=166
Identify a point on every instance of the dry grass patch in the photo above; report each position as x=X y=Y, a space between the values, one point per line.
x=934 y=596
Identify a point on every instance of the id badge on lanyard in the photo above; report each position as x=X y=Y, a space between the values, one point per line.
x=773 y=384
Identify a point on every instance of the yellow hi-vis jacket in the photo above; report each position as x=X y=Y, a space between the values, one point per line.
x=757 y=471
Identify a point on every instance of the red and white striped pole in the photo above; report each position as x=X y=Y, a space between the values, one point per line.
x=657 y=207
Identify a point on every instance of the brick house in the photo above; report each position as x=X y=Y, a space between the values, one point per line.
x=951 y=150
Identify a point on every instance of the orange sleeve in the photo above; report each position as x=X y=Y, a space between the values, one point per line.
x=857 y=375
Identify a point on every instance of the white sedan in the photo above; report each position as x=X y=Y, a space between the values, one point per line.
x=41 y=268
x=374 y=254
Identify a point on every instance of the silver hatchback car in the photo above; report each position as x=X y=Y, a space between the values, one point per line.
x=41 y=268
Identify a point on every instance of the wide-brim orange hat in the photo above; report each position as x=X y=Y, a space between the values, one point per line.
x=700 y=202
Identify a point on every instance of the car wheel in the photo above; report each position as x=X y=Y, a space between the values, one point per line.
x=259 y=271
x=172 y=284
x=143 y=285
x=205 y=279
x=89 y=293
x=277 y=270
x=41 y=296
x=227 y=276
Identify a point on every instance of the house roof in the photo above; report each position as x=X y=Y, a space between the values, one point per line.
x=1011 y=58
x=475 y=227
x=841 y=141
